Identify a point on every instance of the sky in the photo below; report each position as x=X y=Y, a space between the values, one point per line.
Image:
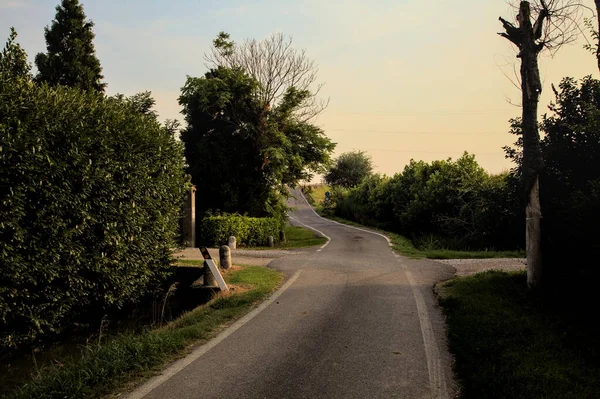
x=406 y=79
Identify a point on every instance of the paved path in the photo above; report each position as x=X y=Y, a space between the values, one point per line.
x=353 y=320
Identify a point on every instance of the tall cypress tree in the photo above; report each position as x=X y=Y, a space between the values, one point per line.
x=71 y=58
x=13 y=59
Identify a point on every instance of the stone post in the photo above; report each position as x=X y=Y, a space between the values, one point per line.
x=270 y=241
x=189 y=219
x=225 y=257
x=282 y=236
x=232 y=242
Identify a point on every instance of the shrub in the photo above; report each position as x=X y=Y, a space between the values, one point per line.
x=90 y=191
x=248 y=231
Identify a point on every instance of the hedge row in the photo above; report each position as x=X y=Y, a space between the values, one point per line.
x=90 y=192
x=248 y=231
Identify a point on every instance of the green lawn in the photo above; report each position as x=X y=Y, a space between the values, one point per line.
x=509 y=343
x=101 y=370
x=297 y=237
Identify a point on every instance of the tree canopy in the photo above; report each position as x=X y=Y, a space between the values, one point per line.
x=276 y=65
x=13 y=59
x=349 y=169
x=71 y=58
x=242 y=154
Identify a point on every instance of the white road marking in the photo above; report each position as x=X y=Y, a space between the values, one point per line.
x=342 y=224
x=176 y=367
x=437 y=380
x=318 y=231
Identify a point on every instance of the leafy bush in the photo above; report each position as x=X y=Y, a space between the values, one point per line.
x=443 y=204
x=248 y=231
x=90 y=192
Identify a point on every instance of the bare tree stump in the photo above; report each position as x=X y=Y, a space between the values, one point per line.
x=225 y=257
x=232 y=242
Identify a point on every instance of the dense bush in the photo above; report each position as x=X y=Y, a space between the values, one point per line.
x=89 y=196
x=450 y=204
x=248 y=231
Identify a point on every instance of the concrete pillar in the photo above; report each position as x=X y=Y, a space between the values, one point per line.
x=189 y=219
x=225 y=257
x=232 y=242
x=270 y=241
x=209 y=279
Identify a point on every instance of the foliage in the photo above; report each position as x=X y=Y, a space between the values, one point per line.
x=569 y=183
x=276 y=66
x=349 y=169
x=444 y=204
x=71 y=58
x=104 y=369
x=248 y=231
x=90 y=192
x=13 y=59
x=242 y=154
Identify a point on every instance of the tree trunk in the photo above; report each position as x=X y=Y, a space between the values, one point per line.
x=531 y=87
x=533 y=236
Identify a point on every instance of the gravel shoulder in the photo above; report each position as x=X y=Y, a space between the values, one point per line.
x=467 y=267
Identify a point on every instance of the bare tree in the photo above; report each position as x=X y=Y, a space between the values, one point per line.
x=540 y=25
x=276 y=65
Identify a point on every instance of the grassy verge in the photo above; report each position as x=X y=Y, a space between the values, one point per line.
x=297 y=237
x=510 y=343
x=100 y=370
x=405 y=246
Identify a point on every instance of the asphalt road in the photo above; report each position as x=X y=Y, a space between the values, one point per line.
x=354 y=320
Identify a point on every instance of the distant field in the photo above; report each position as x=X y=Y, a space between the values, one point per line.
x=318 y=192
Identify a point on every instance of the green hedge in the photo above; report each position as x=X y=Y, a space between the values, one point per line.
x=90 y=192
x=248 y=231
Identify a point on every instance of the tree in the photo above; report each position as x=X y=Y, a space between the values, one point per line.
x=276 y=65
x=71 y=59
x=13 y=59
x=349 y=169
x=142 y=101
x=554 y=26
x=242 y=154
x=571 y=178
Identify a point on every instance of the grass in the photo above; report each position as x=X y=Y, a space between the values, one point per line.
x=318 y=192
x=128 y=358
x=406 y=247
x=508 y=342
x=190 y=262
x=297 y=237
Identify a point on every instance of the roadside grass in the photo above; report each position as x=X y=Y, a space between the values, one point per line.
x=405 y=246
x=122 y=361
x=296 y=237
x=318 y=192
x=508 y=342
x=190 y=262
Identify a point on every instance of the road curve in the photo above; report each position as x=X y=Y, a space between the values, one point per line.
x=354 y=320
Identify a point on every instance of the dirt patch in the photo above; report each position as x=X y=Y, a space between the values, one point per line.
x=467 y=267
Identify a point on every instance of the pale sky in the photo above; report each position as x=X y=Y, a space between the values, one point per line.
x=405 y=79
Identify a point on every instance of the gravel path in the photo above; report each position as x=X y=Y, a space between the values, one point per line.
x=467 y=267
